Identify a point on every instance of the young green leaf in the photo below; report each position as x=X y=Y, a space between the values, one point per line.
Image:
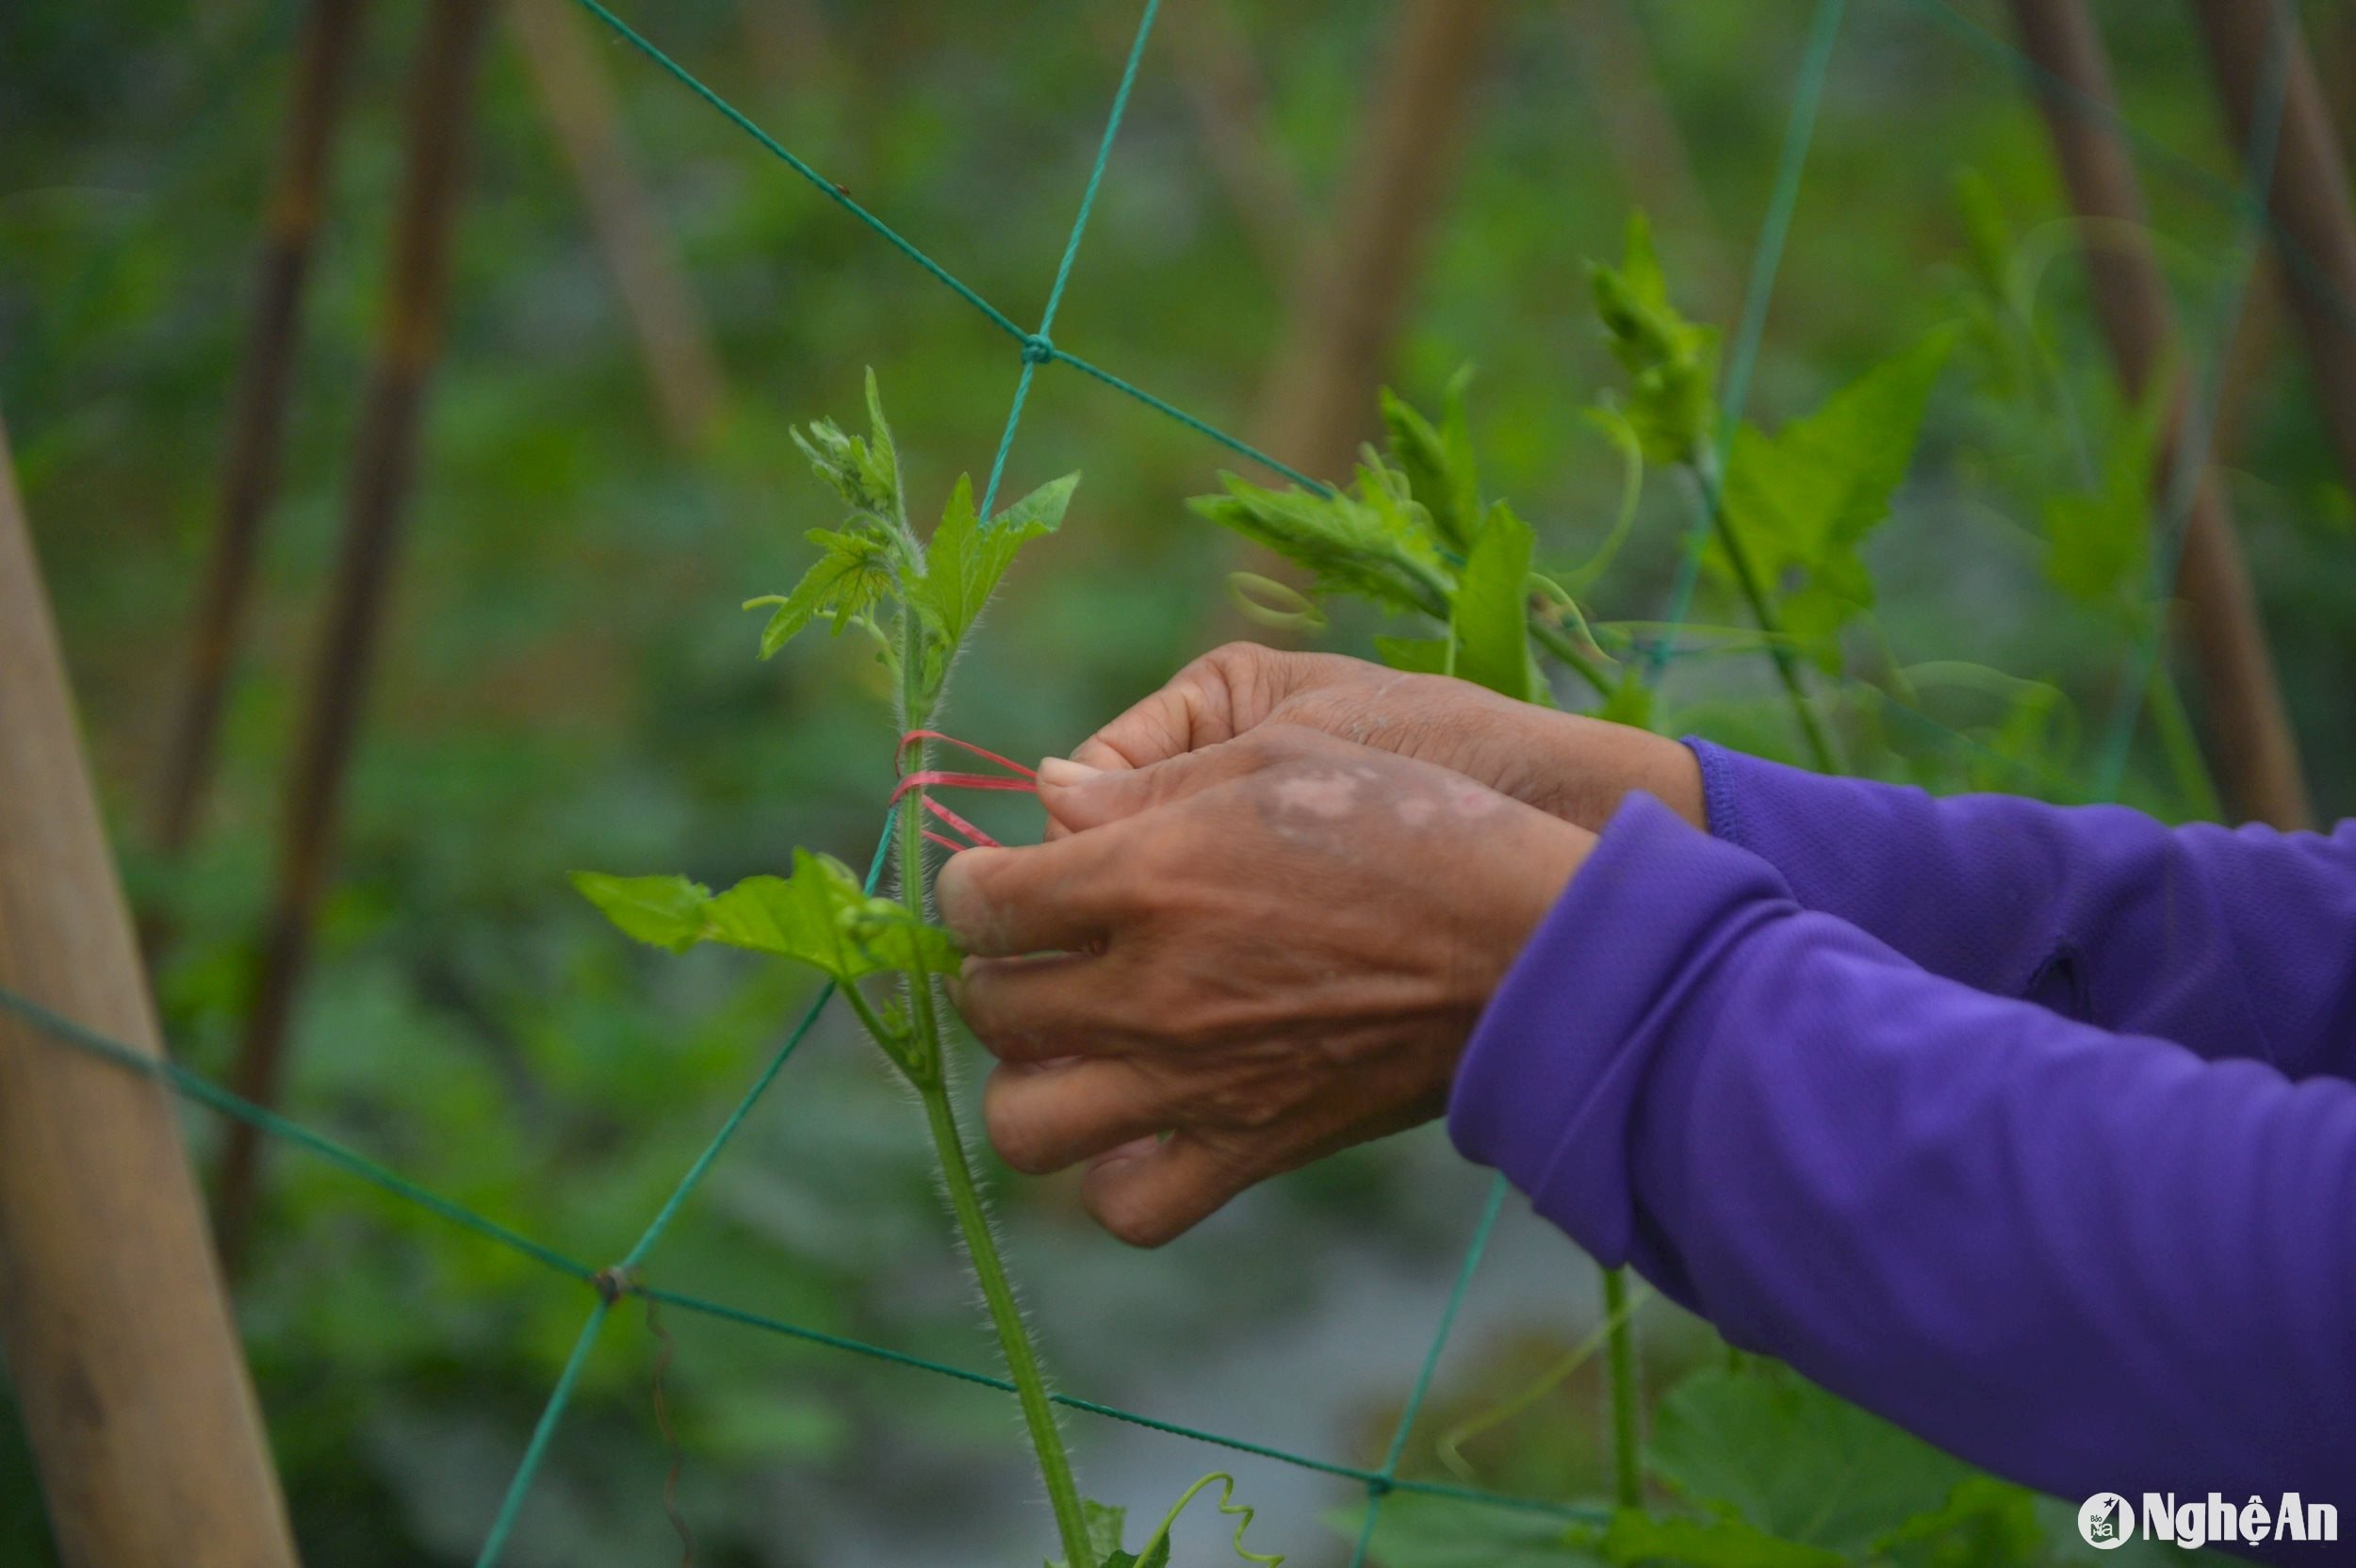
x=1366 y=545
x=1441 y=471
x=1803 y=1467
x=1636 y=1536
x=967 y=558
x=849 y=580
x=1802 y=501
x=866 y=474
x=1490 y=619
x=819 y=916
x=2099 y=542
x=1415 y=654
x=1671 y=361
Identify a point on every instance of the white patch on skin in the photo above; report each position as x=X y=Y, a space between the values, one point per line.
x=1417 y=811
x=1468 y=799
x=1320 y=794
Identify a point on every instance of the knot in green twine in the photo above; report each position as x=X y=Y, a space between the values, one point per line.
x=1037 y=348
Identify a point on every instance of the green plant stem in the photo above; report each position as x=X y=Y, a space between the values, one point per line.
x=1014 y=1336
x=956 y=1172
x=2174 y=728
x=1703 y=469
x=1627 y=1478
x=1551 y=638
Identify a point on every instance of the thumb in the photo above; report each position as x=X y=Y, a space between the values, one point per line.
x=1078 y=798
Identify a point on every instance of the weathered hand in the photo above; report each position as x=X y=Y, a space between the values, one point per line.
x=1239 y=959
x=1575 y=768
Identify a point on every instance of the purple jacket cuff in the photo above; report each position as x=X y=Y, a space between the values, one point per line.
x=1551 y=1082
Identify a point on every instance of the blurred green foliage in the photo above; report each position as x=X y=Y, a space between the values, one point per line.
x=568 y=683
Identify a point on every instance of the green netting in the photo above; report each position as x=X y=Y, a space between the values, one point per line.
x=2246 y=200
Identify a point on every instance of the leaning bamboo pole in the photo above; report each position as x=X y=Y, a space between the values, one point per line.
x=440 y=98
x=2308 y=196
x=331 y=30
x=1349 y=300
x=2253 y=748
x=118 y=1338
x=674 y=340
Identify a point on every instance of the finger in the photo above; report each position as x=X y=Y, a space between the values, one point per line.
x=1039 y=898
x=1152 y=1192
x=1042 y=1119
x=1217 y=697
x=1080 y=797
x=1041 y=1010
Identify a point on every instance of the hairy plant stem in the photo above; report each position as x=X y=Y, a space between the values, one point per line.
x=926 y=1070
x=1627 y=1476
x=1703 y=469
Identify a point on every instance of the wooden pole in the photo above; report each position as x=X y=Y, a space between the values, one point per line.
x=2308 y=197
x=1319 y=401
x=441 y=95
x=250 y=477
x=673 y=340
x=144 y=1423
x=2253 y=747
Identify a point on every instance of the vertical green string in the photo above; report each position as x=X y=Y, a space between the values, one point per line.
x=1037 y=348
x=535 y=1452
x=2191 y=456
x=1379 y=1487
x=1799 y=134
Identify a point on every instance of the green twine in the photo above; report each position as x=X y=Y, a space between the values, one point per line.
x=1766 y=262
x=1385 y=1481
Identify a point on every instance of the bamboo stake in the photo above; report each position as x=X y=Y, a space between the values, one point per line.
x=250 y=476
x=2254 y=749
x=144 y=1423
x=1347 y=305
x=441 y=92
x=2308 y=198
x=673 y=339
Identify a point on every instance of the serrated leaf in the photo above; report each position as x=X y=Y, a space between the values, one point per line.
x=1438 y=462
x=662 y=912
x=1802 y=501
x=966 y=559
x=2099 y=542
x=1346 y=543
x=1671 y=361
x=849 y=579
x=1640 y=1538
x=865 y=473
x=1416 y=1531
x=1790 y=1460
x=820 y=916
x=1490 y=618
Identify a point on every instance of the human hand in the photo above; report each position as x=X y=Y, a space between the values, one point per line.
x=1239 y=959
x=1575 y=768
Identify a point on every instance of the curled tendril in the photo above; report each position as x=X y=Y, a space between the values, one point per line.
x=1452 y=1444
x=1160 y=1540
x=1279 y=606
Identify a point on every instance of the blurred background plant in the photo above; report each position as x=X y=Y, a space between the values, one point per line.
x=567 y=681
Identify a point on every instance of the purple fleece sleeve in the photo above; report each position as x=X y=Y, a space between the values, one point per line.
x=2231 y=942
x=2087 y=1261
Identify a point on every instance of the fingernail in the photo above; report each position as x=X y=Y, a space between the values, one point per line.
x=1063 y=773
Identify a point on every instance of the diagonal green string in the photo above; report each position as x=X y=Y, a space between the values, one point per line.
x=1039 y=349
x=196 y=1087
x=1799 y=134
x=1386 y=1480
x=535 y=1452
x=2190 y=458
x=201 y=1090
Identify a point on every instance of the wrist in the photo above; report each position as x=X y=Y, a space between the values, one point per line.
x=1592 y=765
